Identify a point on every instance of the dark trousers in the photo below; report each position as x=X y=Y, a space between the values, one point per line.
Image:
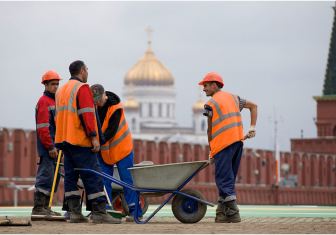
x=226 y=168
x=45 y=175
x=82 y=157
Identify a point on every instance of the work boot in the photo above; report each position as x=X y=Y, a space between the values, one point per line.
x=100 y=215
x=75 y=210
x=130 y=218
x=46 y=205
x=220 y=213
x=39 y=199
x=231 y=212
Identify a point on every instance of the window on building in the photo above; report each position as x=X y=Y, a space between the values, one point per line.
x=133 y=124
x=140 y=109
x=150 y=109
x=173 y=114
x=203 y=125
x=168 y=113
x=160 y=110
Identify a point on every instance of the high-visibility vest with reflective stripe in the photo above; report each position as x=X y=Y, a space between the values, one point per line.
x=69 y=127
x=120 y=146
x=227 y=124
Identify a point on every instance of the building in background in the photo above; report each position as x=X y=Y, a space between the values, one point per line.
x=325 y=121
x=149 y=104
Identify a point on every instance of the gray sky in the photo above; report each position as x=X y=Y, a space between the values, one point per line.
x=271 y=53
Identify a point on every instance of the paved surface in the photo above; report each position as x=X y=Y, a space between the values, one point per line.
x=170 y=225
x=245 y=211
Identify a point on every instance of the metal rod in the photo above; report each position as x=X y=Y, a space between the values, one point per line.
x=15 y=197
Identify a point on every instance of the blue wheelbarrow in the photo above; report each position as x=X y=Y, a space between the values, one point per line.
x=188 y=205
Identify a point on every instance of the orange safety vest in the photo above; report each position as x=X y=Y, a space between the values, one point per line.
x=121 y=145
x=227 y=124
x=69 y=127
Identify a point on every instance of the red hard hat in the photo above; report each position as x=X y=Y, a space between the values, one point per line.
x=50 y=75
x=212 y=77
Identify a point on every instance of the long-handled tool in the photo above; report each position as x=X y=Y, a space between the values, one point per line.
x=48 y=216
x=113 y=213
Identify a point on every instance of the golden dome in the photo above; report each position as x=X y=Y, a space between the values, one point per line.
x=149 y=71
x=131 y=103
x=198 y=106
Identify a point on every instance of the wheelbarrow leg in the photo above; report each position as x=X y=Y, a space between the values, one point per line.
x=136 y=216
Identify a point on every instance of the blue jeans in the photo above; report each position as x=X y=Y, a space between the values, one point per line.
x=226 y=168
x=45 y=175
x=125 y=176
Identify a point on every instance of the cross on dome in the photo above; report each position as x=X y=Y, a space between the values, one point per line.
x=149 y=30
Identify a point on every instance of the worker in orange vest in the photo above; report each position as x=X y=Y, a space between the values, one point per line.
x=45 y=138
x=118 y=147
x=78 y=134
x=226 y=140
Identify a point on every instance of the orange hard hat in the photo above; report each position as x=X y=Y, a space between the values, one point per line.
x=212 y=77
x=50 y=75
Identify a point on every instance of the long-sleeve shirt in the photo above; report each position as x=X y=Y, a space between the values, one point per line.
x=85 y=100
x=45 y=123
x=113 y=122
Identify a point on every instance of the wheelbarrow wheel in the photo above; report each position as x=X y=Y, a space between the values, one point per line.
x=187 y=210
x=117 y=204
x=144 y=205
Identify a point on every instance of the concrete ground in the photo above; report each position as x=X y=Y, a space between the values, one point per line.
x=255 y=219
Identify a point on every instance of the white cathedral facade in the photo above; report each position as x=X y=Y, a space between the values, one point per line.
x=149 y=104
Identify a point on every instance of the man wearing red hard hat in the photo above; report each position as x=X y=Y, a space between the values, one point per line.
x=45 y=137
x=226 y=139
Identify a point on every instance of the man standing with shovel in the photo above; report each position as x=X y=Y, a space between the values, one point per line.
x=45 y=137
x=226 y=139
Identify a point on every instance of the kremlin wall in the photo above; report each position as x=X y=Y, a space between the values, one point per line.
x=316 y=174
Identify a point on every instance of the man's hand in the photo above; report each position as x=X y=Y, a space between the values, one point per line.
x=211 y=159
x=252 y=131
x=53 y=153
x=95 y=143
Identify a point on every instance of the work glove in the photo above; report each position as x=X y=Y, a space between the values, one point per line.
x=252 y=131
x=211 y=160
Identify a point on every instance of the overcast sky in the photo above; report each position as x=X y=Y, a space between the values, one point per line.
x=271 y=53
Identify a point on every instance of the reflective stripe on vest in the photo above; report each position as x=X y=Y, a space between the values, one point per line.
x=71 y=99
x=69 y=127
x=220 y=114
x=115 y=142
x=120 y=146
x=227 y=125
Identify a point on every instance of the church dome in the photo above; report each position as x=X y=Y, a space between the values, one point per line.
x=149 y=71
x=131 y=104
x=199 y=106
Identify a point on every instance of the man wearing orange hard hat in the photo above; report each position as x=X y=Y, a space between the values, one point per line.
x=226 y=140
x=45 y=138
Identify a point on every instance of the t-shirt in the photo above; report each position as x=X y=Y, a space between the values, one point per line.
x=208 y=109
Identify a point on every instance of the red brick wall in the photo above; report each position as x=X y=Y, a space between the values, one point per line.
x=314 y=170
x=326 y=117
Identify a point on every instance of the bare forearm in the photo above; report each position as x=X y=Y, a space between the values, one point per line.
x=209 y=130
x=253 y=110
x=254 y=114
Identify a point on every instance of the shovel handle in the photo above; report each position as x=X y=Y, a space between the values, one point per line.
x=108 y=199
x=55 y=177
